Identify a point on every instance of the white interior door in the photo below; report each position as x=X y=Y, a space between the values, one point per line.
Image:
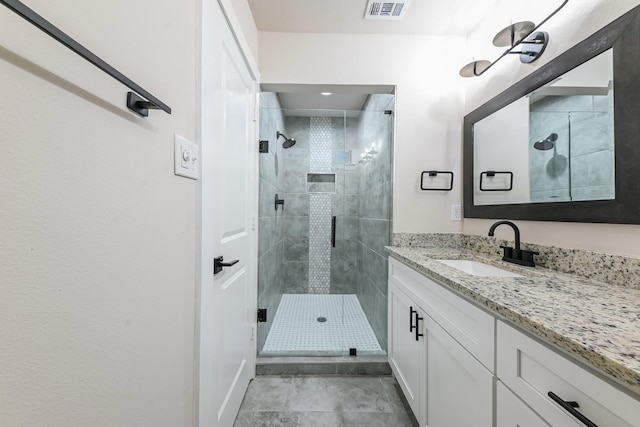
x=227 y=297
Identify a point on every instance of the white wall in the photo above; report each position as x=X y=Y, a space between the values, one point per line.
x=246 y=24
x=501 y=143
x=97 y=235
x=429 y=104
x=573 y=24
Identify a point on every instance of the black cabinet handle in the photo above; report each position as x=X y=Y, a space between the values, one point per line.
x=411 y=311
x=219 y=264
x=418 y=319
x=570 y=406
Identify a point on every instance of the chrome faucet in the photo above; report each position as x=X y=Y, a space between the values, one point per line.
x=514 y=255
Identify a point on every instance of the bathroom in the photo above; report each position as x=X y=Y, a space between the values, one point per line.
x=104 y=273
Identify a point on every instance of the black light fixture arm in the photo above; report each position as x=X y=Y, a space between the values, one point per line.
x=515 y=43
x=139 y=103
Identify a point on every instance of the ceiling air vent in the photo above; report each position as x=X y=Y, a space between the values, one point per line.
x=386 y=10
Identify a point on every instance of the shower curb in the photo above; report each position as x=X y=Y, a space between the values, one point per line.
x=360 y=365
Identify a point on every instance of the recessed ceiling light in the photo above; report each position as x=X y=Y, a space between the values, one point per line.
x=326 y=93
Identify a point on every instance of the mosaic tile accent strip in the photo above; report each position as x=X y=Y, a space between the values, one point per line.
x=320 y=150
x=319 y=243
x=611 y=269
x=297 y=331
x=320 y=208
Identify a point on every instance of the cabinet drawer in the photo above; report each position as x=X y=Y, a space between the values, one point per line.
x=532 y=370
x=472 y=327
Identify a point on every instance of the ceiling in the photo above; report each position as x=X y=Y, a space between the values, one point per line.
x=434 y=17
x=307 y=99
x=423 y=17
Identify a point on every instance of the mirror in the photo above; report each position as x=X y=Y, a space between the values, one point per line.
x=556 y=143
x=561 y=144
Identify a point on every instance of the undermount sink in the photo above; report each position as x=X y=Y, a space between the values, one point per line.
x=476 y=268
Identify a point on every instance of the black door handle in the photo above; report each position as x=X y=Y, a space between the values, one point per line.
x=218 y=264
x=570 y=408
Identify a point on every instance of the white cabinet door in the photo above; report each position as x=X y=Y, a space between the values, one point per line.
x=407 y=349
x=459 y=387
x=512 y=412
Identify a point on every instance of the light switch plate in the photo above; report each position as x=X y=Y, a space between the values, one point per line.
x=186 y=158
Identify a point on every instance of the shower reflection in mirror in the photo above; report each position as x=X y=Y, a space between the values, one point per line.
x=558 y=140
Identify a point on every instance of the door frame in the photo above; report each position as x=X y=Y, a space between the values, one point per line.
x=235 y=27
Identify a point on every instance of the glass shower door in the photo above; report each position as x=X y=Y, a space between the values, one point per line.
x=322 y=264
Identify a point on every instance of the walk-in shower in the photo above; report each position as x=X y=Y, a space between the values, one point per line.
x=322 y=265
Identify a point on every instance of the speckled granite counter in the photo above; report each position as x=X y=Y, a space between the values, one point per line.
x=597 y=323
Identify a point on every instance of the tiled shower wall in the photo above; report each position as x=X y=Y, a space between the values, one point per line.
x=319 y=142
x=374 y=212
x=270 y=227
x=584 y=125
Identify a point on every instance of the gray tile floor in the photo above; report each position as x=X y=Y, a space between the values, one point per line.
x=323 y=401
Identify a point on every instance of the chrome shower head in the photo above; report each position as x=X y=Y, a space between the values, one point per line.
x=288 y=142
x=546 y=144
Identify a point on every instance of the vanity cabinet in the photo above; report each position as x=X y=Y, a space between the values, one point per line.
x=462 y=366
x=533 y=371
x=436 y=341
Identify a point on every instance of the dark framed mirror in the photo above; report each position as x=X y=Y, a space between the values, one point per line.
x=551 y=184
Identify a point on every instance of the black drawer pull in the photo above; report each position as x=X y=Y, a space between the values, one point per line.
x=418 y=319
x=570 y=406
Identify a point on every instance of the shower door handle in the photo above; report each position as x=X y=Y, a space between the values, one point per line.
x=333 y=231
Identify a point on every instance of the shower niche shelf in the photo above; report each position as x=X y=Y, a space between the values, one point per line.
x=321 y=182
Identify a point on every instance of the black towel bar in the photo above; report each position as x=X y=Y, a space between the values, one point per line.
x=491 y=174
x=433 y=174
x=140 y=101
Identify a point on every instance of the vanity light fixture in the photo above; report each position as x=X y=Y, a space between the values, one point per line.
x=532 y=44
x=326 y=93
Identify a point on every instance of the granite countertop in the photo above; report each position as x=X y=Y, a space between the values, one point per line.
x=595 y=322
